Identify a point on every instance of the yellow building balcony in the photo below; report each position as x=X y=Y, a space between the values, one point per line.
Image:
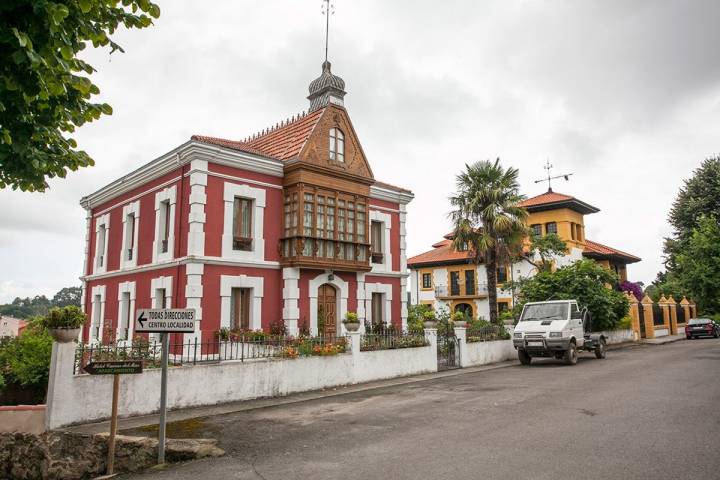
x=461 y=290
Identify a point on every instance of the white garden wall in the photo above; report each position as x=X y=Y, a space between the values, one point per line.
x=483 y=353
x=86 y=398
x=618 y=336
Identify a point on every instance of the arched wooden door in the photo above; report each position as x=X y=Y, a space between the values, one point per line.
x=327 y=310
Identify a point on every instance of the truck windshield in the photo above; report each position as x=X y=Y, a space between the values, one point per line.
x=545 y=311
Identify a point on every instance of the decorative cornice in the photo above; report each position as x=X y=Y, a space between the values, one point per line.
x=389 y=195
x=182 y=155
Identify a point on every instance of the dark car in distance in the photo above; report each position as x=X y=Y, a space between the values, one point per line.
x=702 y=327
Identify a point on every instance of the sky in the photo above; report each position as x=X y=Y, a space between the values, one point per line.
x=624 y=95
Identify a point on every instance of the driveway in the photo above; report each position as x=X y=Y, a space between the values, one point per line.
x=646 y=412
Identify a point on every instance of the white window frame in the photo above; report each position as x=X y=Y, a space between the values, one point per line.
x=167 y=195
x=255 y=284
x=257 y=195
x=155 y=285
x=385 y=289
x=123 y=288
x=130 y=209
x=386 y=220
x=101 y=221
x=97 y=314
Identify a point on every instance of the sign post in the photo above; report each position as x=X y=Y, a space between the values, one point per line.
x=164 y=321
x=115 y=369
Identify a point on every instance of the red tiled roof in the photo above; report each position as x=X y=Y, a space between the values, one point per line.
x=547 y=197
x=443 y=252
x=392 y=187
x=282 y=143
x=235 y=145
x=595 y=249
x=551 y=200
x=286 y=141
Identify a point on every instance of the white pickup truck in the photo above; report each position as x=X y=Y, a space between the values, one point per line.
x=557 y=328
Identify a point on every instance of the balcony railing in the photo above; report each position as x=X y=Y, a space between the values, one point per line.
x=461 y=290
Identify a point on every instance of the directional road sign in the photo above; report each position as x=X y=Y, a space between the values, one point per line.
x=120 y=367
x=165 y=320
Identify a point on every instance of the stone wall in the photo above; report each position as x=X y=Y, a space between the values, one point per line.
x=70 y=456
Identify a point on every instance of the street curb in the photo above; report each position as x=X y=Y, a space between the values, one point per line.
x=257 y=404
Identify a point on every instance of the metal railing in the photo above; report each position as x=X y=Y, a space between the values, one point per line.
x=486 y=334
x=217 y=350
x=391 y=340
x=461 y=290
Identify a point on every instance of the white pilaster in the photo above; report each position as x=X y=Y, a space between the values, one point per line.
x=361 y=312
x=193 y=297
x=198 y=200
x=291 y=295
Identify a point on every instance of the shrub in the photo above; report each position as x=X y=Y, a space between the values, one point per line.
x=65 y=317
x=625 y=323
x=351 y=317
x=25 y=360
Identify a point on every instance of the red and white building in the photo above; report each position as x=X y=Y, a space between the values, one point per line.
x=288 y=226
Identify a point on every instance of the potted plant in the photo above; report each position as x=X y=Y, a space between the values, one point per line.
x=63 y=323
x=429 y=320
x=459 y=319
x=351 y=322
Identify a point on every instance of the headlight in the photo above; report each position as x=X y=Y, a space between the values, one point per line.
x=517 y=334
x=555 y=334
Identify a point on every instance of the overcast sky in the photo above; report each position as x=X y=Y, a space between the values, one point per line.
x=624 y=94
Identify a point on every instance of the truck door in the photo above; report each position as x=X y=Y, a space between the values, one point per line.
x=576 y=324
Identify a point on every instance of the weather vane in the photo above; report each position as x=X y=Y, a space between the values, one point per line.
x=327 y=9
x=548 y=166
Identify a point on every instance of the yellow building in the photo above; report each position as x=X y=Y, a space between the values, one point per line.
x=446 y=277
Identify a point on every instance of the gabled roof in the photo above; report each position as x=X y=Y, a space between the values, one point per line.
x=442 y=253
x=552 y=200
x=603 y=252
x=282 y=142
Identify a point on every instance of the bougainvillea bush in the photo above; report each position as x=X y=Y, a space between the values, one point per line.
x=633 y=288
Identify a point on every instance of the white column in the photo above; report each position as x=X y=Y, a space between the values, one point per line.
x=193 y=297
x=461 y=335
x=361 y=312
x=198 y=199
x=291 y=295
x=60 y=393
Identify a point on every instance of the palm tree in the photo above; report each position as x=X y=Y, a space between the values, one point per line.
x=487 y=218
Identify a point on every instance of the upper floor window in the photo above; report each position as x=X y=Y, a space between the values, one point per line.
x=551 y=227
x=536 y=229
x=376 y=241
x=102 y=232
x=501 y=275
x=242 y=224
x=102 y=238
x=426 y=280
x=578 y=232
x=463 y=247
x=129 y=236
x=165 y=226
x=337 y=145
x=128 y=254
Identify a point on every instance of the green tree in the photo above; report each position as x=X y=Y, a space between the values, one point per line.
x=487 y=218
x=542 y=250
x=585 y=281
x=697 y=265
x=45 y=89
x=25 y=360
x=698 y=197
x=67 y=296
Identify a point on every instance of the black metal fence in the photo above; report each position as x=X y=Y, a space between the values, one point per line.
x=391 y=340
x=486 y=334
x=680 y=313
x=658 y=318
x=212 y=351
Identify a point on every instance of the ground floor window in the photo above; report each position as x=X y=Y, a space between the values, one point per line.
x=377 y=309
x=240 y=308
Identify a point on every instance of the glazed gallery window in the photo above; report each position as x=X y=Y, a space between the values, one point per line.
x=331 y=226
x=242 y=224
x=426 y=280
x=337 y=145
x=240 y=308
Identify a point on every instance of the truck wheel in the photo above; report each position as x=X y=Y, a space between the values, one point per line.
x=600 y=349
x=524 y=357
x=570 y=356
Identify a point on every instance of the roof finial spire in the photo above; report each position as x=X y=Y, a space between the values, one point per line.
x=548 y=166
x=327 y=10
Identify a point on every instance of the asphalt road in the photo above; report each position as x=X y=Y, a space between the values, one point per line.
x=646 y=412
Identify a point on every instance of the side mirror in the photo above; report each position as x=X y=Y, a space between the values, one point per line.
x=576 y=315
